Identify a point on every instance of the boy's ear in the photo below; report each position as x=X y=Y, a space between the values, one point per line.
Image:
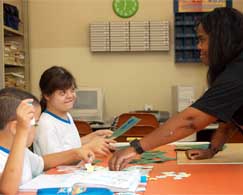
x=46 y=97
x=12 y=126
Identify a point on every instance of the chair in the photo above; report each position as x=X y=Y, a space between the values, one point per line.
x=83 y=127
x=146 y=125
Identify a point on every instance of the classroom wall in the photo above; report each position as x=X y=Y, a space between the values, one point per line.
x=59 y=36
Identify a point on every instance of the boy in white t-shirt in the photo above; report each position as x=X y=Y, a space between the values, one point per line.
x=17 y=130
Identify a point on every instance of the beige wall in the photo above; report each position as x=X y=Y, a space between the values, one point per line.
x=59 y=36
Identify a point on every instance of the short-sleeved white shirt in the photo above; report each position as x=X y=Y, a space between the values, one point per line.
x=33 y=164
x=55 y=134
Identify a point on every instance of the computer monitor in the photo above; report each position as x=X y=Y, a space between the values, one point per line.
x=88 y=105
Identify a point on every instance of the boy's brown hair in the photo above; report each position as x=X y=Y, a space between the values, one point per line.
x=10 y=98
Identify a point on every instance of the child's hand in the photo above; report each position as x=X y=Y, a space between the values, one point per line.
x=103 y=133
x=24 y=114
x=86 y=154
x=100 y=146
x=99 y=133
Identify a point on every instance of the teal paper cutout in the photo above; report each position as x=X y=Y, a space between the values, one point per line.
x=125 y=127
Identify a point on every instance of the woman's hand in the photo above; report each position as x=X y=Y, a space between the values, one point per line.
x=121 y=158
x=199 y=154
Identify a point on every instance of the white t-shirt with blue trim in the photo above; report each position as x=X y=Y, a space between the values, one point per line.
x=33 y=164
x=55 y=134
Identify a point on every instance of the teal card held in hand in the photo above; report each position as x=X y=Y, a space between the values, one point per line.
x=125 y=127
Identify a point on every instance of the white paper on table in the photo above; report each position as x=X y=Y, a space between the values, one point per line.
x=116 y=181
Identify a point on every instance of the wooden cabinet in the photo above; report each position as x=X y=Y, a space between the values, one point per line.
x=14 y=48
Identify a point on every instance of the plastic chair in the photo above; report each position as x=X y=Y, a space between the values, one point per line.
x=83 y=127
x=146 y=125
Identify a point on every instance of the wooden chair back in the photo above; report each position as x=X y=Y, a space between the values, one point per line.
x=147 y=124
x=83 y=127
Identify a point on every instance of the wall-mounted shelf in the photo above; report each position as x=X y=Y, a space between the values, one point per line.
x=14 y=50
x=11 y=32
x=14 y=65
x=129 y=36
x=186 y=14
x=185 y=37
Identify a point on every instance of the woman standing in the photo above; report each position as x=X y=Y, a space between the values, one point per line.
x=220 y=42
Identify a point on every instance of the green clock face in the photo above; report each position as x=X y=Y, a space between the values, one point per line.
x=125 y=8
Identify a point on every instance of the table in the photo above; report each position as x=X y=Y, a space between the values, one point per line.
x=205 y=179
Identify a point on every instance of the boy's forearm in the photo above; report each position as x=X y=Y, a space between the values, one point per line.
x=61 y=158
x=12 y=173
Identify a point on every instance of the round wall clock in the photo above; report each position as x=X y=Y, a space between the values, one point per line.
x=125 y=8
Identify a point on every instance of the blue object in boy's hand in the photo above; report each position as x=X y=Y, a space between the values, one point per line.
x=66 y=191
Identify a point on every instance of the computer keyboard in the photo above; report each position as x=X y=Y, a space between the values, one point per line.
x=96 y=123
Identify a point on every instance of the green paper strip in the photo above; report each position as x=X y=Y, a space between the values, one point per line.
x=125 y=127
x=193 y=147
x=96 y=161
x=152 y=157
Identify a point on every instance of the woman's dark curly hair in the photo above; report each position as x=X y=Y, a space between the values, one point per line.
x=225 y=29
